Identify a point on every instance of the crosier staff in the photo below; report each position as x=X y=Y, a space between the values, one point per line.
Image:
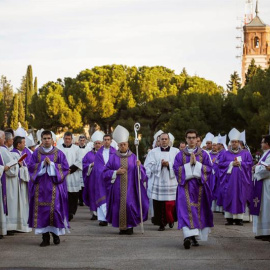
x=137 y=127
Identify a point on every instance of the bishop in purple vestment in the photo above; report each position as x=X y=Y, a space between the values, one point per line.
x=121 y=176
x=236 y=165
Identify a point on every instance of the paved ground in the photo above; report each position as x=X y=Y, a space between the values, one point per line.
x=92 y=247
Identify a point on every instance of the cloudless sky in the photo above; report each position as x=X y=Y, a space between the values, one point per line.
x=60 y=38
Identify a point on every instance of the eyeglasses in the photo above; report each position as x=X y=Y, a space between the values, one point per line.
x=191 y=138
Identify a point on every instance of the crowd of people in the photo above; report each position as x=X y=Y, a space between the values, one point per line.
x=43 y=183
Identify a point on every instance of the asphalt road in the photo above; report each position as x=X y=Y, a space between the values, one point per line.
x=89 y=246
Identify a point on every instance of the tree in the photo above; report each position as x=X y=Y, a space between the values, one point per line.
x=51 y=111
x=7 y=99
x=234 y=84
x=2 y=110
x=252 y=69
x=252 y=103
x=29 y=90
x=21 y=112
x=14 y=114
x=184 y=72
x=35 y=86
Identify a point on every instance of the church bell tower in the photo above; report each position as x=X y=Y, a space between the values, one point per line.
x=256 y=44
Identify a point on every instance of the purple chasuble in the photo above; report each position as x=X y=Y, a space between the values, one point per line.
x=48 y=195
x=100 y=186
x=256 y=195
x=89 y=182
x=193 y=198
x=123 y=207
x=236 y=185
x=4 y=187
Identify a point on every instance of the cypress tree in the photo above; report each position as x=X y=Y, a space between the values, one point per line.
x=14 y=114
x=35 y=86
x=21 y=112
x=29 y=90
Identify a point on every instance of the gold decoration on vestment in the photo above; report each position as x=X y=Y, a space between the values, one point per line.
x=123 y=195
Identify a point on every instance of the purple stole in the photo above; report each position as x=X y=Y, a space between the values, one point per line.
x=4 y=187
x=255 y=202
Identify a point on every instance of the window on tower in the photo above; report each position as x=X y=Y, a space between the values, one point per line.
x=256 y=42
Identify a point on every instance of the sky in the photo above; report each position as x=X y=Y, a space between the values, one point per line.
x=60 y=38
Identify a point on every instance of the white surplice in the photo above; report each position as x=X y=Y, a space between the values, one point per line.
x=261 y=223
x=162 y=184
x=23 y=201
x=12 y=184
x=73 y=158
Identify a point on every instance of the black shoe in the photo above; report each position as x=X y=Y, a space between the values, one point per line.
x=10 y=233
x=103 y=223
x=161 y=228
x=70 y=217
x=239 y=222
x=187 y=243
x=129 y=231
x=81 y=204
x=1 y=236
x=121 y=232
x=171 y=225
x=194 y=241
x=94 y=217
x=45 y=240
x=260 y=237
x=229 y=222
x=56 y=239
x=266 y=238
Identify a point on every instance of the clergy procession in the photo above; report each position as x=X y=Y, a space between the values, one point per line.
x=44 y=180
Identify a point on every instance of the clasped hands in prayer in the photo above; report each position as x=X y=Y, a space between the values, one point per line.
x=123 y=170
x=236 y=163
x=164 y=163
x=192 y=159
x=47 y=160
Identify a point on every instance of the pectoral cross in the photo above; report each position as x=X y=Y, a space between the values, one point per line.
x=256 y=201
